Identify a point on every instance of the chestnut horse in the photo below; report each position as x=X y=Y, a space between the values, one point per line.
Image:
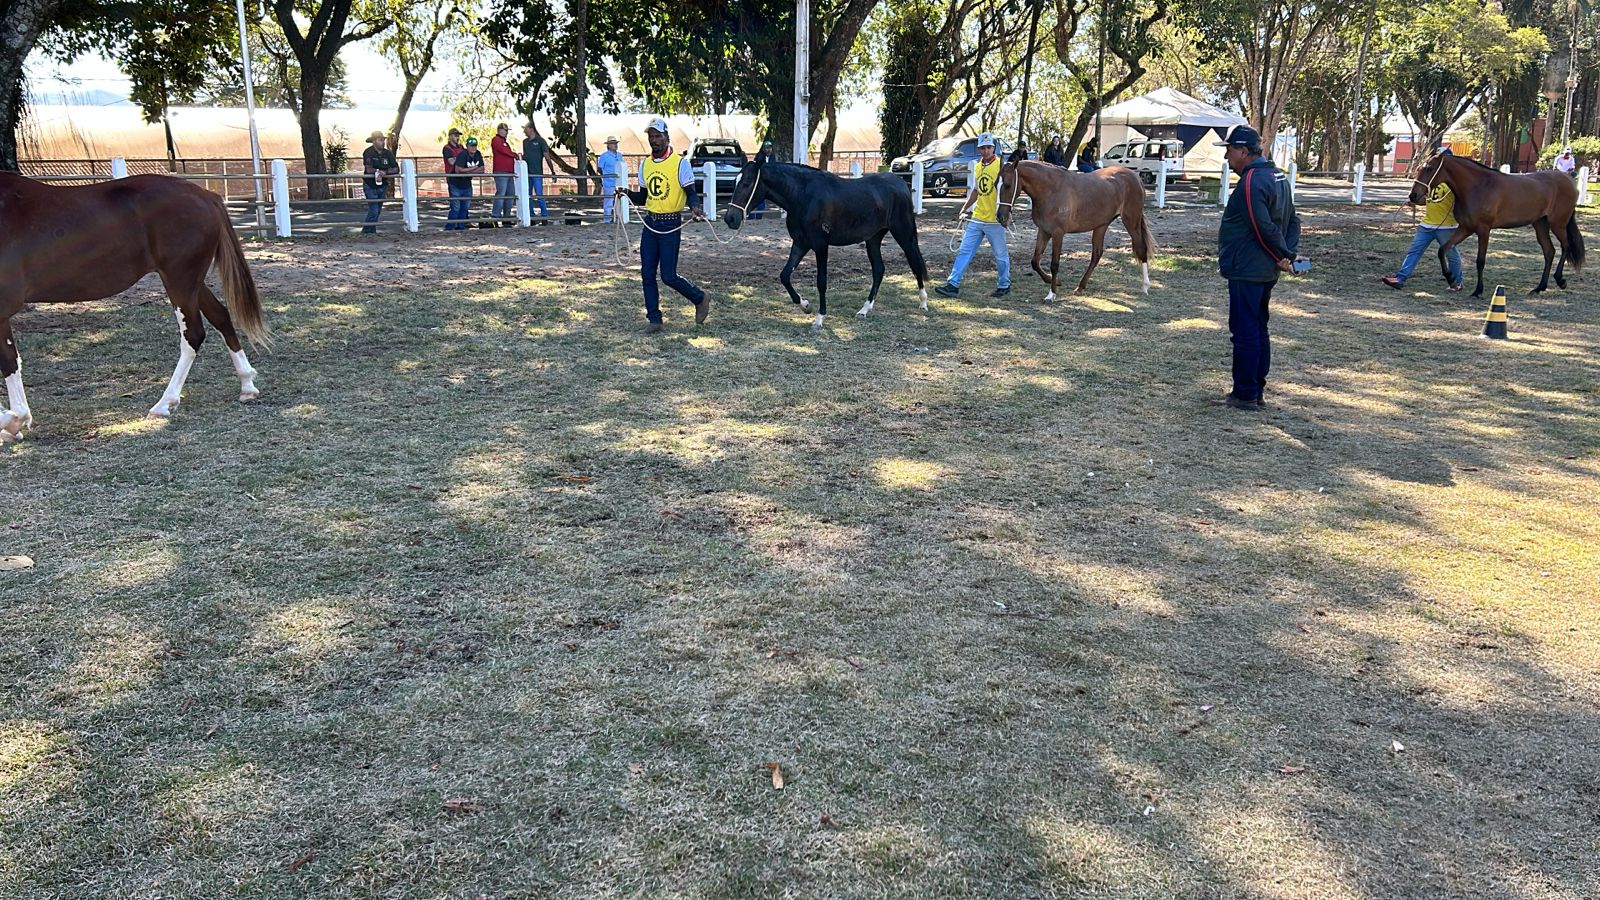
x=67 y=244
x=1073 y=202
x=1487 y=199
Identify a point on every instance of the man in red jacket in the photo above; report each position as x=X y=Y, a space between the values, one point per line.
x=505 y=168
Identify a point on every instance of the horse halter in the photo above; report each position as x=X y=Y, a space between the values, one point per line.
x=744 y=210
x=1427 y=187
x=1016 y=190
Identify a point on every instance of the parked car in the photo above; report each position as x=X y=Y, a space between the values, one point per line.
x=725 y=152
x=1145 y=158
x=946 y=163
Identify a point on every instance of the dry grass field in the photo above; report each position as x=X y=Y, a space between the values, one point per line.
x=490 y=594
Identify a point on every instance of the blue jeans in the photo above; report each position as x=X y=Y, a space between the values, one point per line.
x=505 y=200
x=460 y=199
x=1252 y=346
x=373 y=209
x=662 y=250
x=536 y=195
x=976 y=232
x=1424 y=239
x=608 y=191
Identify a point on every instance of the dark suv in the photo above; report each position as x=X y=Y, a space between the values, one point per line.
x=946 y=163
x=725 y=152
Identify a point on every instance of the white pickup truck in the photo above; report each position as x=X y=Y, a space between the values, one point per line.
x=1145 y=158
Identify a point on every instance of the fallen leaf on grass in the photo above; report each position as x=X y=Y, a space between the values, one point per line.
x=575 y=479
x=635 y=768
x=460 y=805
x=212 y=730
x=1205 y=707
x=856 y=663
x=1292 y=770
x=184 y=707
x=1397 y=747
x=671 y=514
x=828 y=822
x=775 y=652
x=777 y=775
x=1306 y=628
x=308 y=856
x=15 y=563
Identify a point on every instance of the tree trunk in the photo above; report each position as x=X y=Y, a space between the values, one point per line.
x=20 y=26
x=580 y=153
x=825 y=153
x=828 y=57
x=311 y=94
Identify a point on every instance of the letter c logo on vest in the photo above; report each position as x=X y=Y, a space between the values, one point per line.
x=657 y=185
x=985 y=183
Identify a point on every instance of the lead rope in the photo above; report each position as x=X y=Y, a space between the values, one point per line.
x=620 y=237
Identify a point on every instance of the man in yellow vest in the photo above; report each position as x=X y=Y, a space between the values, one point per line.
x=666 y=186
x=1438 y=223
x=983 y=203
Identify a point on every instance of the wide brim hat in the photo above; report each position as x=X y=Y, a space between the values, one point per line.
x=376 y=135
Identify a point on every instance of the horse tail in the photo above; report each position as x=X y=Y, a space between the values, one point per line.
x=1574 y=244
x=238 y=285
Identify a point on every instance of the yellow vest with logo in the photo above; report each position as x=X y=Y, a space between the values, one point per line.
x=662 y=192
x=988 y=187
x=1441 y=209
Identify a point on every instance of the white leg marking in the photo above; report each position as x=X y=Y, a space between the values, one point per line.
x=169 y=400
x=1050 y=296
x=865 y=308
x=247 y=376
x=1145 y=267
x=924 y=293
x=13 y=420
x=805 y=305
x=817 y=325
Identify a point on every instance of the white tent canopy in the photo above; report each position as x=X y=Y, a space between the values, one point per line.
x=1166 y=106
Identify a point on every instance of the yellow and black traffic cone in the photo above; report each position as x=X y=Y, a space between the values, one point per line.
x=1494 y=324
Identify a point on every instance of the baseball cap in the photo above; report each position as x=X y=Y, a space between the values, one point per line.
x=1241 y=136
x=657 y=124
x=455 y=131
x=472 y=141
x=986 y=140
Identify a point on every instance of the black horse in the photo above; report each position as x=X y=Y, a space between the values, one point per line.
x=828 y=211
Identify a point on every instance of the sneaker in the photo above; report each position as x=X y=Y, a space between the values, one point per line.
x=1458 y=286
x=1236 y=403
x=653 y=328
x=1001 y=292
x=947 y=290
x=702 y=310
x=1393 y=282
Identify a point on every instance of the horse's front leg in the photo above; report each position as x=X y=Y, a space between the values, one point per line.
x=822 y=285
x=16 y=417
x=1483 y=255
x=796 y=253
x=1040 y=239
x=1055 y=264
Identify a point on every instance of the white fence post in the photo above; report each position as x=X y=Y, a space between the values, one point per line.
x=119 y=167
x=1361 y=180
x=408 y=194
x=280 y=199
x=624 y=206
x=524 y=211
x=972 y=176
x=1161 y=183
x=855 y=168
x=1505 y=168
x=1294 y=176
x=1583 y=185
x=916 y=187
x=1225 y=190
x=709 y=170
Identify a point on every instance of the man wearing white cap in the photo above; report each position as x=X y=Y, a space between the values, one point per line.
x=983 y=202
x=610 y=163
x=666 y=186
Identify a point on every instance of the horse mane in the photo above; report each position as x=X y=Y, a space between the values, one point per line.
x=1468 y=159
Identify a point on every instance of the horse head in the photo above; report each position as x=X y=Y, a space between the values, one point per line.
x=1421 y=186
x=1007 y=192
x=747 y=192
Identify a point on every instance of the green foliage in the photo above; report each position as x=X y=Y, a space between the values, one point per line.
x=337 y=145
x=1586 y=150
x=909 y=31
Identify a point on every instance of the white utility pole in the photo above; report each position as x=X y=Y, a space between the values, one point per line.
x=250 y=110
x=802 y=79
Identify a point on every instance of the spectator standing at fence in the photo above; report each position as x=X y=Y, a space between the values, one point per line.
x=1257 y=240
x=469 y=162
x=379 y=167
x=1438 y=223
x=983 y=202
x=611 y=168
x=505 y=173
x=452 y=148
x=1565 y=162
x=1089 y=156
x=666 y=186
x=533 y=150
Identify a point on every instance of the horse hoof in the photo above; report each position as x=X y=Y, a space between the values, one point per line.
x=247 y=396
x=11 y=425
x=817 y=324
x=159 y=412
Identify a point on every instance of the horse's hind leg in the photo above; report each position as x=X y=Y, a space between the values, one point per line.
x=17 y=417
x=191 y=334
x=217 y=315
x=796 y=253
x=1541 y=228
x=1099 y=249
x=822 y=285
x=905 y=234
x=875 y=256
x=1560 y=232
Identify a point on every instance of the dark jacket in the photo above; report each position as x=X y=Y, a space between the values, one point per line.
x=1259 y=227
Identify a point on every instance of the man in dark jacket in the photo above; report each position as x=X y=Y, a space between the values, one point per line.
x=1258 y=239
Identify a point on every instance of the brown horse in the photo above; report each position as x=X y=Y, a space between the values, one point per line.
x=1486 y=199
x=67 y=244
x=1073 y=202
